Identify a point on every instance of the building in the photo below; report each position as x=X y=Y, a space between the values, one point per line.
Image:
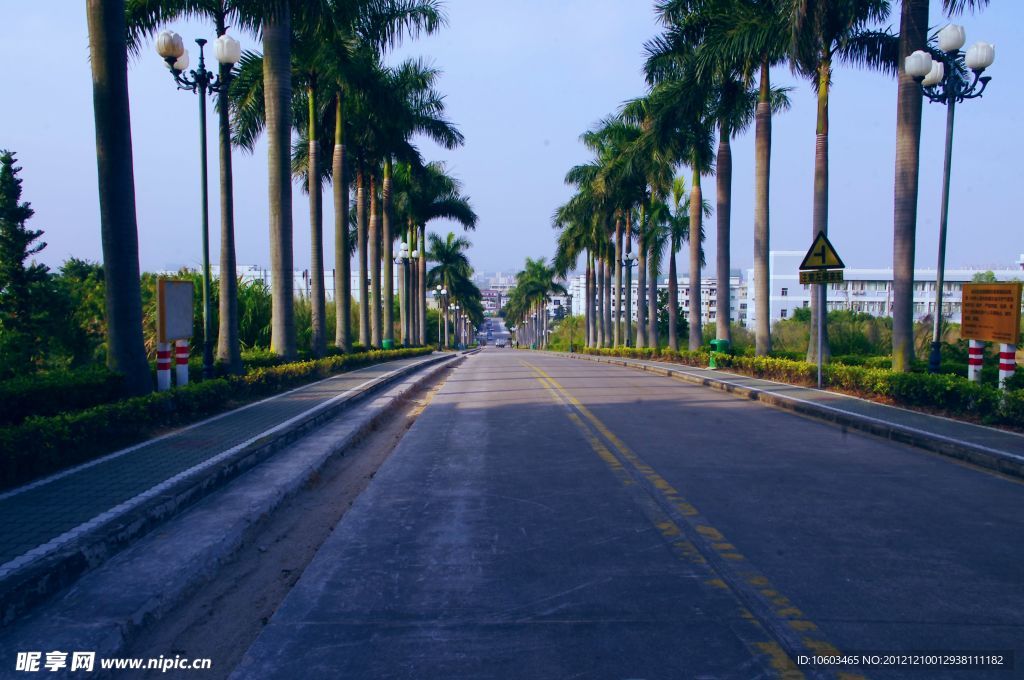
x=709 y=297
x=864 y=290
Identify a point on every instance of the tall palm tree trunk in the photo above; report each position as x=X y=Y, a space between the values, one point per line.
x=592 y=298
x=617 y=332
x=723 y=176
x=342 y=263
x=318 y=308
x=600 y=302
x=696 y=217
x=403 y=301
x=641 y=284
x=652 y=299
x=386 y=242
x=373 y=236
x=277 y=94
x=126 y=353
x=586 y=301
x=228 y=347
x=819 y=294
x=913 y=34
x=627 y=315
x=762 y=174
x=363 y=246
x=606 y=317
x=421 y=298
x=673 y=298
x=229 y=351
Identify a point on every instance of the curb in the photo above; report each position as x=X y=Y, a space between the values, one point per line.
x=975 y=454
x=39 y=579
x=108 y=607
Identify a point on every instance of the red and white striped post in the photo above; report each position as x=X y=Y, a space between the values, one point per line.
x=163 y=366
x=181 y=361
x=1007 y=363
x=975 y=359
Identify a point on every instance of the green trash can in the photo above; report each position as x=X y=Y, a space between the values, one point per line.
x=717 y=346
x=388 y=343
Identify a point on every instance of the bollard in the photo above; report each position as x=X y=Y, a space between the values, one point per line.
x=181 y=361
x=975 y=359
x=1007 y=363
x=163 y=366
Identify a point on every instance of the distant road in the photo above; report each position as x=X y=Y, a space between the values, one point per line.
x=551 y=518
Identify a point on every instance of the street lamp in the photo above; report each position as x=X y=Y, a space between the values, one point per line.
x=629 y=262
x=403 y=261
x=569 y=320
x=946 y=81
x=171 y=48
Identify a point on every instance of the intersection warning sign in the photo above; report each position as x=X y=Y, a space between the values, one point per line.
x=821 y=255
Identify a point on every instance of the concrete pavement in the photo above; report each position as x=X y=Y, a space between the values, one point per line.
x=548 y=518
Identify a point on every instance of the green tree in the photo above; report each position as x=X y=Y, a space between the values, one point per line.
x=984 y=277
x=823 y=32
x=23 y=283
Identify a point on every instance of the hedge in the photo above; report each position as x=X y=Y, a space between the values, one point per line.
x=50 y=393
x=950 y=395
x=42 y=445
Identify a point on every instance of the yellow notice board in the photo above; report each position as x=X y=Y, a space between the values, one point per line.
x=991 y=312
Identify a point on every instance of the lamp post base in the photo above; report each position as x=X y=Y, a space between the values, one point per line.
x=935 y=357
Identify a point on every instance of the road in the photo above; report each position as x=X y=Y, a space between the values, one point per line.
x=552 y=518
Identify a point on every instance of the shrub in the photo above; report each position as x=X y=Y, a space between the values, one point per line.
x=43 y=445
x=46 y=394
x=946 y=393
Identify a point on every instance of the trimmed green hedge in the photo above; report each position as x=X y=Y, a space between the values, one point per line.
x=47 y=394
x=43 y=445
x=949 y=394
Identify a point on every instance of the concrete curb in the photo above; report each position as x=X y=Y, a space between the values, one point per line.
x=976 y=454
x=38 y=580
x=106 y=608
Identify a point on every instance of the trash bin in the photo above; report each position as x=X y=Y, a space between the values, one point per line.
x=388 y=343
x=717 y=346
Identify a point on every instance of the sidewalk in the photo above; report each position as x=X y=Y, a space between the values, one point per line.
x=988 y=447
x=115 y=498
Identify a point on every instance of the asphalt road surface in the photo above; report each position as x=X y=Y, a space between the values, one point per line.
x=552 y=518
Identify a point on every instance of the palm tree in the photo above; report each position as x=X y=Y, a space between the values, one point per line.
x=913 y=36
x=108 y=51
x=754 y=36
x=822 y=32
x=144 y=18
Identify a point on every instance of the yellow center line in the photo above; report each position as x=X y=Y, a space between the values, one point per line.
x=780 y=606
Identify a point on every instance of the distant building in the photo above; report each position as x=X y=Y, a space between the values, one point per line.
x=864 y=290
x=709 y=297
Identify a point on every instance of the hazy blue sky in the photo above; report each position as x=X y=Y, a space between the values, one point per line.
x=523 y=80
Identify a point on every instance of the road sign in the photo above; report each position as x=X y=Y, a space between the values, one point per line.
x=822 y=276
x=821 y=255
x=991 y=312
x=173 y=310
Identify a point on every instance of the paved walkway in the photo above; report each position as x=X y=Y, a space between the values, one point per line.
x=43 y=516
x=998 y=441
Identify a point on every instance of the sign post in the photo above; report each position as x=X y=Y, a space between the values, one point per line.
x=990 y=312
x=174 y=303
x=821 y=266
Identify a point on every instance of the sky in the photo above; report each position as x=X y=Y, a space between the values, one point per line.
x=522 y=80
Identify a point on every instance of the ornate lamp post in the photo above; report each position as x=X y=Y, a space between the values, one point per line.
x=946 y=81
x=170 y=47
x=403 y=260
x=569 y=320
x=628 y=263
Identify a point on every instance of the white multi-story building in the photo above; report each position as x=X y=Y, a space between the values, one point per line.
x=709 y=296
x=864 y=290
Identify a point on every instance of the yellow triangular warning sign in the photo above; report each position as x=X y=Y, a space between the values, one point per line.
x=821 y=255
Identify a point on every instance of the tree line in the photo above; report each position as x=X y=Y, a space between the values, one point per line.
x=334 y=114
x=709 y=77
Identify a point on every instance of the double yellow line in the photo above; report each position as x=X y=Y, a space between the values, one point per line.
x=697 y=542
